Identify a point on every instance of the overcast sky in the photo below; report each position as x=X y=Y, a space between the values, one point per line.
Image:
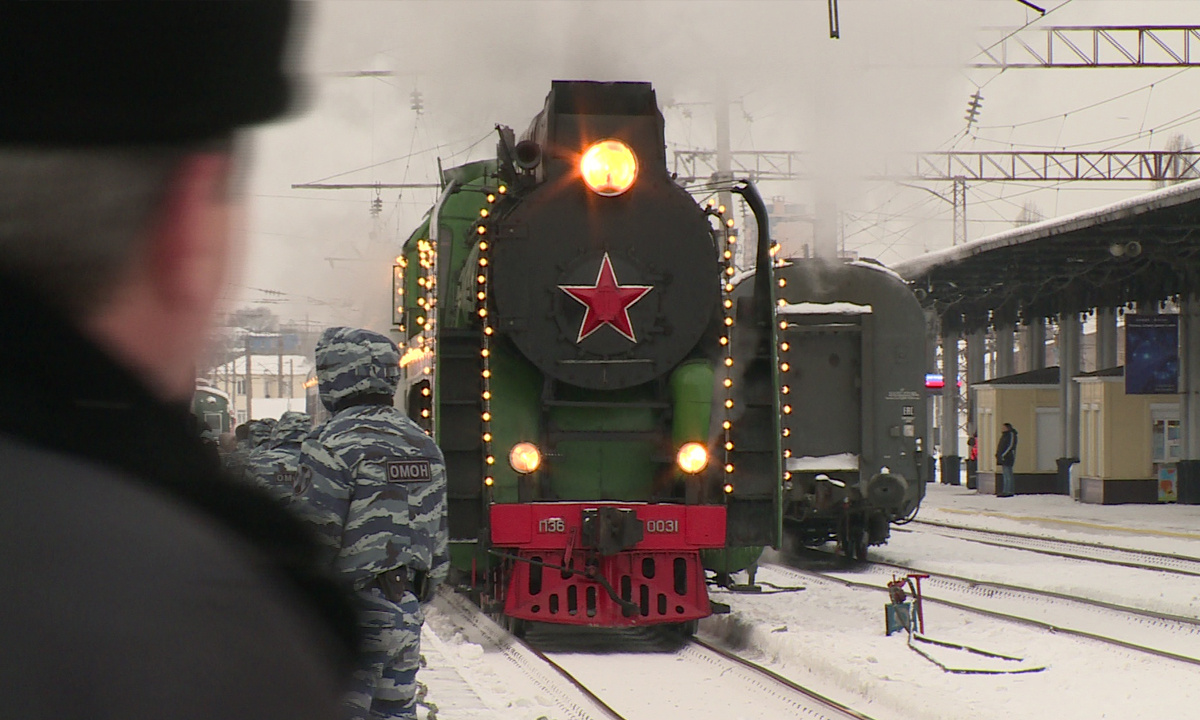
x=895 y=81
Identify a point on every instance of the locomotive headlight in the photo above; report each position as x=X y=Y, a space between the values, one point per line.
x=692 y=458
x=608 y=167
x=524 y=457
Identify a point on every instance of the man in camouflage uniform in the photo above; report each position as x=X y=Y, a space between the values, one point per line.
x=260 y=432
x=257 y=432
x=273 y=465
x=235 y=461
x=374 y=486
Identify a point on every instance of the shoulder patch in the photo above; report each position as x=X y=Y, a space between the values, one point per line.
x=409 y=470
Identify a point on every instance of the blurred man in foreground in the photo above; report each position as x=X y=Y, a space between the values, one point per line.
x=138 y=581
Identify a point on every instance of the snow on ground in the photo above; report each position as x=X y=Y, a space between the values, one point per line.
x=832 y=637
x=1168 y=527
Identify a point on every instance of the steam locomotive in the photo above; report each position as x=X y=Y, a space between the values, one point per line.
x=567 y=315
x=852 y=361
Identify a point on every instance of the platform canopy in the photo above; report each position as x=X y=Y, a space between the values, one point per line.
x=1143 y=249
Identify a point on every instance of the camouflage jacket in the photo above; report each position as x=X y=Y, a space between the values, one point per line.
x=273 y=465
x=235 y=462
x=374 y=486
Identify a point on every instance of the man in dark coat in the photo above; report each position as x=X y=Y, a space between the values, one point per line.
x=1006 y=457
x=138 y=581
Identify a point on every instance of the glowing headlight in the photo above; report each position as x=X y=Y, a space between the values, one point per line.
x=692 y=458
x=524 y=458
x=608 y=167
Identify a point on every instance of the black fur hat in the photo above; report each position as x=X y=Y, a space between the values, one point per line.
x=125 y=72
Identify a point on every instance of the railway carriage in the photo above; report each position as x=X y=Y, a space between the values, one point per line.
x=852 y=361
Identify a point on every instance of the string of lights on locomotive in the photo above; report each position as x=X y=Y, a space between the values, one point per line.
x=568 y=344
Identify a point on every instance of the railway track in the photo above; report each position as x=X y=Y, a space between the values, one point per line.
x=642 y=674
x=1078 y=550
x=1161 y=634
x=520 y=667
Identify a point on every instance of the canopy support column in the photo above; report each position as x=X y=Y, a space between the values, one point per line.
x=949 y=440
x=1106 y=338
x=1033 y=349
x=1188 y=470
x=1005 y=364
x=1069 y=336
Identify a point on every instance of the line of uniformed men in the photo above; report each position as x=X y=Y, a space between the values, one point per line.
x=385 y=533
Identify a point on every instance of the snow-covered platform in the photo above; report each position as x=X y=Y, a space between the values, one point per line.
x=1158 y=527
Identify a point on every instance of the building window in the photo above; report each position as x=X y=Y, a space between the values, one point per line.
x=240 y=387
x=1165 y=441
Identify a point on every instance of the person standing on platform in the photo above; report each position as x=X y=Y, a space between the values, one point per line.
x=374 y=485
x=1006 y=457
x=138 y=581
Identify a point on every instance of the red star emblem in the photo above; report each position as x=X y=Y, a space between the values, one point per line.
x=607 y=302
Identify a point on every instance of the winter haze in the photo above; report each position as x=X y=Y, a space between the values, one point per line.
x=896 y=81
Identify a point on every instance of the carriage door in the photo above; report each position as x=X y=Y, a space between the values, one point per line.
x=826 y=388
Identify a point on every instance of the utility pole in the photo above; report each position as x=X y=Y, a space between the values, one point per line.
x=724 y=175
x=279 y=347
x=249 y=381
x=960 y=210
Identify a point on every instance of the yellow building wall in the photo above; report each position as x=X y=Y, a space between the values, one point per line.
x=996 y=406
x=1128 y=431
x=1124 y=431
x=987 y=427
x=1093 y=438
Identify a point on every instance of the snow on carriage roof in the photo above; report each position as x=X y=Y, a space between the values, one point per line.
x=840 y=461
x=832 y=308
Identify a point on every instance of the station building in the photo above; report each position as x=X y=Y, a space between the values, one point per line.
x=1101 y=431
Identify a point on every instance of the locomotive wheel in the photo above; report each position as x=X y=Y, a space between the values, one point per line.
x=687 y=629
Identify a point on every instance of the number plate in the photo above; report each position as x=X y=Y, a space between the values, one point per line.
x=662 y=526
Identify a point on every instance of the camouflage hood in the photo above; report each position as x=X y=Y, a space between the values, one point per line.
x=260 y=431
x=291 y=428
x=353 y=363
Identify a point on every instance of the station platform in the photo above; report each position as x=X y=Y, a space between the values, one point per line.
x=1058 y=514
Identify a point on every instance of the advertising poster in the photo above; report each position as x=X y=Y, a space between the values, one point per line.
x=1151 y=354
x=1167 y=487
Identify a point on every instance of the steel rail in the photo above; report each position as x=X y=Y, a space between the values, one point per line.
x=790 y=684
x=576 y=682
x=1053 y=627
x=1035 y=540
x=471 y=614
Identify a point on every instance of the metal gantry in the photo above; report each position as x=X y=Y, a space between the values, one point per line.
x=1008 y=166
x=1105 y=46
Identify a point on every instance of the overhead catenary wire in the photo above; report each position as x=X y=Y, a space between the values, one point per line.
x=984 y=51
x=1089 y=106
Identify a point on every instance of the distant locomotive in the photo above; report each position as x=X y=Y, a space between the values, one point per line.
x=852 y=363
x=566 y=312
x=212 y=406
